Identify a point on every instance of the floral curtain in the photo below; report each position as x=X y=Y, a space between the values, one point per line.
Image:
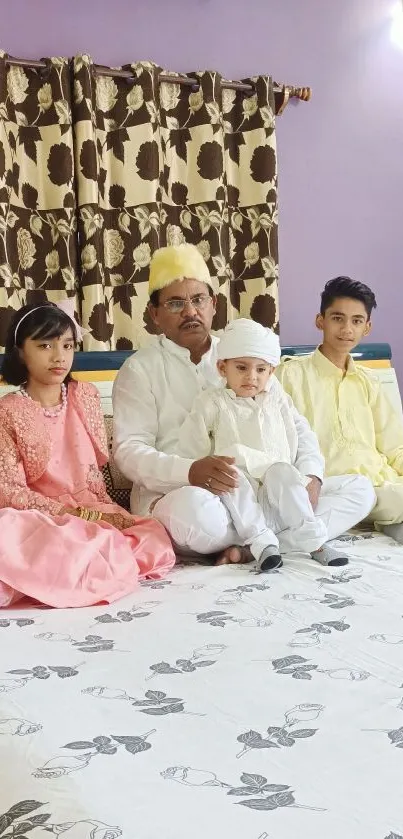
x=38 y=251
x=149 y=164
x=161 y=164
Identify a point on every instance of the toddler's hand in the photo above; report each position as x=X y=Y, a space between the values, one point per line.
x=313 y=489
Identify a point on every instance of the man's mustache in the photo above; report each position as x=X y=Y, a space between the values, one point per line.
x=190 y=321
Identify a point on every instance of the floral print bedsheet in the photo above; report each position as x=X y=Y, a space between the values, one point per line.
x=217 y=703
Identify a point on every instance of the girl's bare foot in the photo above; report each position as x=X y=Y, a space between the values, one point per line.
x=234 y=554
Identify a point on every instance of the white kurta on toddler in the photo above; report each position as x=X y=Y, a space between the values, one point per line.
x=273 y=472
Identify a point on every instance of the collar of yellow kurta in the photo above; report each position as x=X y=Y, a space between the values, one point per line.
x=327 y=368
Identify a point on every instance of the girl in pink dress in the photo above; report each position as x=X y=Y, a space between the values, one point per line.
x=63 y=541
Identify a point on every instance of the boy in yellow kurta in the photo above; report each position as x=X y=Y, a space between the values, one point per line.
x=358 y=429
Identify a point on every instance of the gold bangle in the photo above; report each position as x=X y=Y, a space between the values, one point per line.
x=88 y=515
x=94 y=515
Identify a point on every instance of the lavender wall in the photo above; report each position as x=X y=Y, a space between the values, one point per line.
x=340 y=156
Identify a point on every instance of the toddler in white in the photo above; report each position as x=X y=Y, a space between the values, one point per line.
x=282 y=501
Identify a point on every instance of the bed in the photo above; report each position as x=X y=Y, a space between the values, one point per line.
x=216 y=703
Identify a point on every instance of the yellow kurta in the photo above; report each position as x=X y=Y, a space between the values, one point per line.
x=358 y=429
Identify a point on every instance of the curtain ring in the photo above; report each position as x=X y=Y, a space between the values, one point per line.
x=45 y=71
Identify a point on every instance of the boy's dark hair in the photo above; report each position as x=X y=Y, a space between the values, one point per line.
x=346 y=287
x=155 y=297
x=46 y=321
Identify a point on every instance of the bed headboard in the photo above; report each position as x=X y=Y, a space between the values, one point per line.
x=107 y=363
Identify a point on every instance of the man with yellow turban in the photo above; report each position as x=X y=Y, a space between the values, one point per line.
x=154 y=392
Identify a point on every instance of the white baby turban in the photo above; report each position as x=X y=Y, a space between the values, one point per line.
x=245 y=338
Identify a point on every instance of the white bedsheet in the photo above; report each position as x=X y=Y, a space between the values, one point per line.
x=218 y=703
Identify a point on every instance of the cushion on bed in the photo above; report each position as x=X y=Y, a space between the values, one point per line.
x=118 y=487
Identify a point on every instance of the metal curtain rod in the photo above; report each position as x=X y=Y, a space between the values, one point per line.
x=303 y=93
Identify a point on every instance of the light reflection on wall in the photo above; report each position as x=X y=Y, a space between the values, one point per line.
x=396 y=32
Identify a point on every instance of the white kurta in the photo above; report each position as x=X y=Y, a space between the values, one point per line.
x=256 y=432
x=152 y=395
x=260 y=433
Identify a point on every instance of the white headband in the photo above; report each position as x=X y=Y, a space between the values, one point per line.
x=66 y=306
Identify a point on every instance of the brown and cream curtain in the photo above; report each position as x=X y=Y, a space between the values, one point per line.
x=38 y=243
x=154 y=164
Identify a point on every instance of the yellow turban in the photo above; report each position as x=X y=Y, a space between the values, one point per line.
x=177 y=262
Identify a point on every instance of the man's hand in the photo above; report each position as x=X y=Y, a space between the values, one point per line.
x=313 y=489
x=217 y=474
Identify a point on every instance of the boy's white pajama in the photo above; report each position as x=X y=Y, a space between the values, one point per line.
x=280 y=513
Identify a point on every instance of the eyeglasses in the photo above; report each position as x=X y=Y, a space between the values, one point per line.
x=176 y=306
